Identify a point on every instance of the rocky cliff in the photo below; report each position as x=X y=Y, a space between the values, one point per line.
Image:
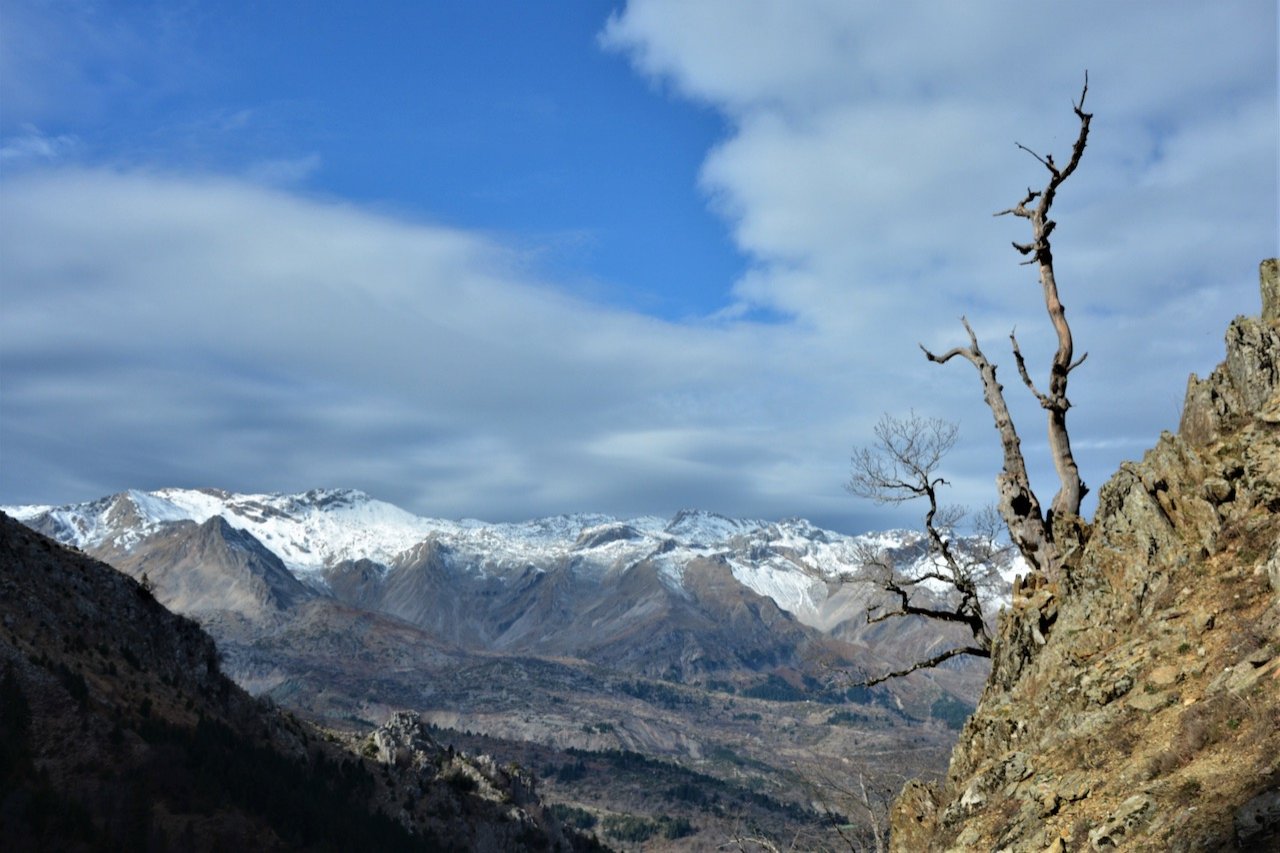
x=1136 y=704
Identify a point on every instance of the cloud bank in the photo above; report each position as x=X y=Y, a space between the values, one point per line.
x=201 y=330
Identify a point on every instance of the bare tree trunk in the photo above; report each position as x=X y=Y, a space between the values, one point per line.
x=1029 y=527
x=1015 y=499
x=1055 y=402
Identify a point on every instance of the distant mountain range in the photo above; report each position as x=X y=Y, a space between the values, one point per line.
x=686 y=598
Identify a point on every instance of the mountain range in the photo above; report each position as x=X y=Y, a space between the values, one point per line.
x=729 y=648
x=692 y=598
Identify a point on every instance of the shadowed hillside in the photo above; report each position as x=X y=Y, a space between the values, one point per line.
x=119 y=731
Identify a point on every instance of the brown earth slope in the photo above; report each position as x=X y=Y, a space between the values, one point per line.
x=1136 y=705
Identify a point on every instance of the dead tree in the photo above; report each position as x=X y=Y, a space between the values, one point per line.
x=902 y=466
x=1033 y=530
x=857 y=811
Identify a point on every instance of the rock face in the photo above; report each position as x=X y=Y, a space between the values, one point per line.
x=1136 y=705
x=201 y=569
x=1241 y=387
x=425 y=786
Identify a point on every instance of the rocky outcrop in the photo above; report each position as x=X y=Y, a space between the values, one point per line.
x=424 y=789
x=1240 y=387
x=1136 y=703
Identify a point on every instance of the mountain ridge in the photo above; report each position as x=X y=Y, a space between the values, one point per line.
x=636 y=593
x=666 y=637
x=309 y=537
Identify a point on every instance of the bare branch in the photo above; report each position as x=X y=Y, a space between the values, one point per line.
x=1022 y=371
x=852 y=794
x=946 y=356
x=911 y=610
x=1077 y=150
x=926 y=664
x=1048 y=164
x=904 y=606
x=949 y=518
x=927 y=576
x=972 y=353
x=1020 y=209
x=901 y=464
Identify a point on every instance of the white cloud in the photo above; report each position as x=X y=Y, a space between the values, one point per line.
x=740 y=55
x=222 y=330
x=31 y=145
x=870 y=143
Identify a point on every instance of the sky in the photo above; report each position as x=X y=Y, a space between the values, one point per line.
x=512 y=258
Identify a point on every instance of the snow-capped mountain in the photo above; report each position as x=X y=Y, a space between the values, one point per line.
x=790 y=562
x=307 y=531
x=683 y=597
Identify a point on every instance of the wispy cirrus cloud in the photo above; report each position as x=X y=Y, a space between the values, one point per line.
x=31 y=145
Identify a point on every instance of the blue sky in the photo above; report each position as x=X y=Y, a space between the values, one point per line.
x=509 y=259
x=502 y=117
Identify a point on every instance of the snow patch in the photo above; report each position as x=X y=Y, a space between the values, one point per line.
x=792 y=590
x=791 y=561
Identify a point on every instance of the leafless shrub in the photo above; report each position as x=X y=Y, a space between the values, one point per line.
x=902 y=465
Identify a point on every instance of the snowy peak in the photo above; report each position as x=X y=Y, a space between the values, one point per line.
x=311 y=530
x=698 y=527
x=791 y=561
x=119 y=520
x=605 y=534
x=306 y=531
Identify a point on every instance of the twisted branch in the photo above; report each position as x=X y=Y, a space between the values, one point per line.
x=926 y=664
